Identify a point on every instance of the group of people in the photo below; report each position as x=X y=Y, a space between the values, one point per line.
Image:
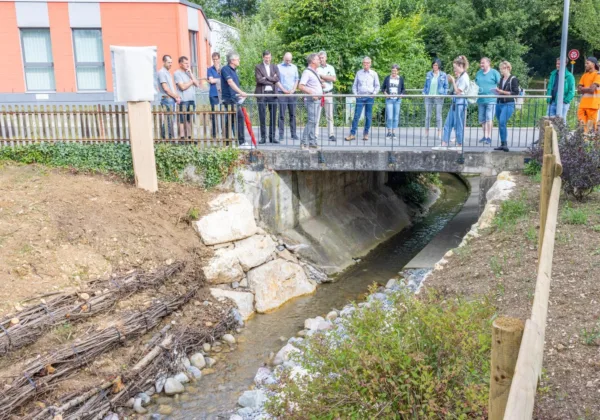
x=277 y=83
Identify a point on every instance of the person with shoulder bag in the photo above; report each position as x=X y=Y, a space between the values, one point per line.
x=505 y=108
x=456 y=117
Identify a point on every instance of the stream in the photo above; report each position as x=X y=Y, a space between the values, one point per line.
x=218 y=392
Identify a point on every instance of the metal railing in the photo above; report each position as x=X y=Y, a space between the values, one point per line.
x=412 y=131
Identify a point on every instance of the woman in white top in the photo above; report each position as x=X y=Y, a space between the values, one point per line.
x=456 y=117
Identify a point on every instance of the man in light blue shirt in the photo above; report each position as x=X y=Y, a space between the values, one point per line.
x=487 y=79
x=289 y=78
x=366 y=82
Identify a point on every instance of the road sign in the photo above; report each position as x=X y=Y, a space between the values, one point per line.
x=573 y=55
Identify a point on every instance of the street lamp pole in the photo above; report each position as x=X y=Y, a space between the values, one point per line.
x=563 y=59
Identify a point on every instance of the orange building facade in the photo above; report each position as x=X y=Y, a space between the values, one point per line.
x=57 y=51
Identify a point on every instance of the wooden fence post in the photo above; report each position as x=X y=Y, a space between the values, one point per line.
x=142 y=145
x=506 y=341
x=547 y=179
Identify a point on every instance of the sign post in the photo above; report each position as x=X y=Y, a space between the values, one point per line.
x=133 y=74
x=573 y=56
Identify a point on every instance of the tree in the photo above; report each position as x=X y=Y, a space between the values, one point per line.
x=586 y=20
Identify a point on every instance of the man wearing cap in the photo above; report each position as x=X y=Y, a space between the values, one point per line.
x=589 y=89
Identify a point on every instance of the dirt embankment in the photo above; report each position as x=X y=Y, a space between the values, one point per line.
x=501 y=264
x=59 y=230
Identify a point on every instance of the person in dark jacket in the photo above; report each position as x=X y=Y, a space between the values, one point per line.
x=267 y=79
x=508 y=85
x=393 y=88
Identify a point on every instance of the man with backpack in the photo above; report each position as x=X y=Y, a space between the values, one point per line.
x=311 y=84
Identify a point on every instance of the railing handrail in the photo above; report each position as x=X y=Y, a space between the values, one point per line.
x=380 y=95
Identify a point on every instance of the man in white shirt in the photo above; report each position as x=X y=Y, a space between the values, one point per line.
x=311 y=84
x=327 y=74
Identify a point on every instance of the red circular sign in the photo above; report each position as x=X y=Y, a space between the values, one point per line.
x=573 y=54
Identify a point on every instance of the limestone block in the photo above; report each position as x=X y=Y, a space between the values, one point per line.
x=486 y=218
x=505 y=176
x=288 y=256
x=231 y=219
x=243 y=300
x=223 y=267
x=254 y=251
x=500 y=191
x=276 y=282
x=284 y=354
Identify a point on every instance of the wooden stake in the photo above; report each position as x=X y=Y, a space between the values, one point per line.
x=547 y=178
x=506 y=340
x=142 y=145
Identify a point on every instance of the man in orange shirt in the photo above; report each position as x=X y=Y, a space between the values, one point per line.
x=589 y=89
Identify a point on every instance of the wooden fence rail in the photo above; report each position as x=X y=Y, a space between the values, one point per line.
x=515 y=374
x=109 y=123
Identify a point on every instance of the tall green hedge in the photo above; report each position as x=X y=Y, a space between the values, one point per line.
x=212 y=164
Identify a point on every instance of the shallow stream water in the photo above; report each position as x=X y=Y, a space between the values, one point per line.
x=217 y=393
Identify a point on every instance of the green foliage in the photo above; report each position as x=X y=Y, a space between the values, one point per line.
x=574 y=216
x=212 y=164
x=532 y=168
x=426 y=358
x=497 y=266
x=591 y=337
x=531 y=234
x=511 y=212
x=585 y=16
x=413 y=187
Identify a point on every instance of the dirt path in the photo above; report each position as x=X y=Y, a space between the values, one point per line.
x=501 y=265
x=59 y=229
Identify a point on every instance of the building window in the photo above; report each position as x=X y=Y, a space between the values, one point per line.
x=89 y=59
x=37 y=59
x=194 y=52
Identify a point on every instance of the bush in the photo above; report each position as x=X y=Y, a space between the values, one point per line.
x=414 y=187
x=580 y=158
x=212 y=164
x=532 y=168
x=425 y=358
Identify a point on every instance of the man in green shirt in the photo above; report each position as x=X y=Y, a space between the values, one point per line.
x=552 y=91
x=487 y=79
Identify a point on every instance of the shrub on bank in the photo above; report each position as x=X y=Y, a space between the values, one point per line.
x=426 y=358
x=414 y=187
x=212 y=164
x=580 y=158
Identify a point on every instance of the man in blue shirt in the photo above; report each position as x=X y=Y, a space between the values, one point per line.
x=289 y=78
x=214 y=79
x=487 y=79
x=366 y=82
x=231 y=95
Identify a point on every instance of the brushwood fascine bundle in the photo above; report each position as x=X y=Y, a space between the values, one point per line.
x=41 y=375
x=26 y=326
x=161 y=358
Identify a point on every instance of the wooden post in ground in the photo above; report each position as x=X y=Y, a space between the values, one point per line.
x=142 y=145
x=548 y=167
x=506 y=341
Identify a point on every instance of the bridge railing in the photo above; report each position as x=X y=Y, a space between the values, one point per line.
x=517 y=352
x=420 y=122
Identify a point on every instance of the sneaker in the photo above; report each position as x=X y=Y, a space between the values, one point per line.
x=393 y=136
x=313 y=146
x=483 y=140
x=440 y=148
x=295 y=138
x=332 y=138
x=366 y=137
x=245 y=145
x=350 y=137
x=501 y=148
x=303 y=146
x=388 y=134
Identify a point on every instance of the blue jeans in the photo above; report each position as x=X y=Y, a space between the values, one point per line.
x=503 y=114
x=455 y=120
x=169 y=105
x=552 y=110
x=392 y=112
x=367 y=104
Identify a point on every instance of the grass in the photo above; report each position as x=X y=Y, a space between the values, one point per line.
x=596 y=228
x=531 y=234
x=63 y=332
x=574 y=216
x=511 y=212
x=496 y=266
x=591 y=337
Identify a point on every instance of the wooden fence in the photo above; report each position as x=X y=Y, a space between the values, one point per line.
x=109 y=123
x=517 y=347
